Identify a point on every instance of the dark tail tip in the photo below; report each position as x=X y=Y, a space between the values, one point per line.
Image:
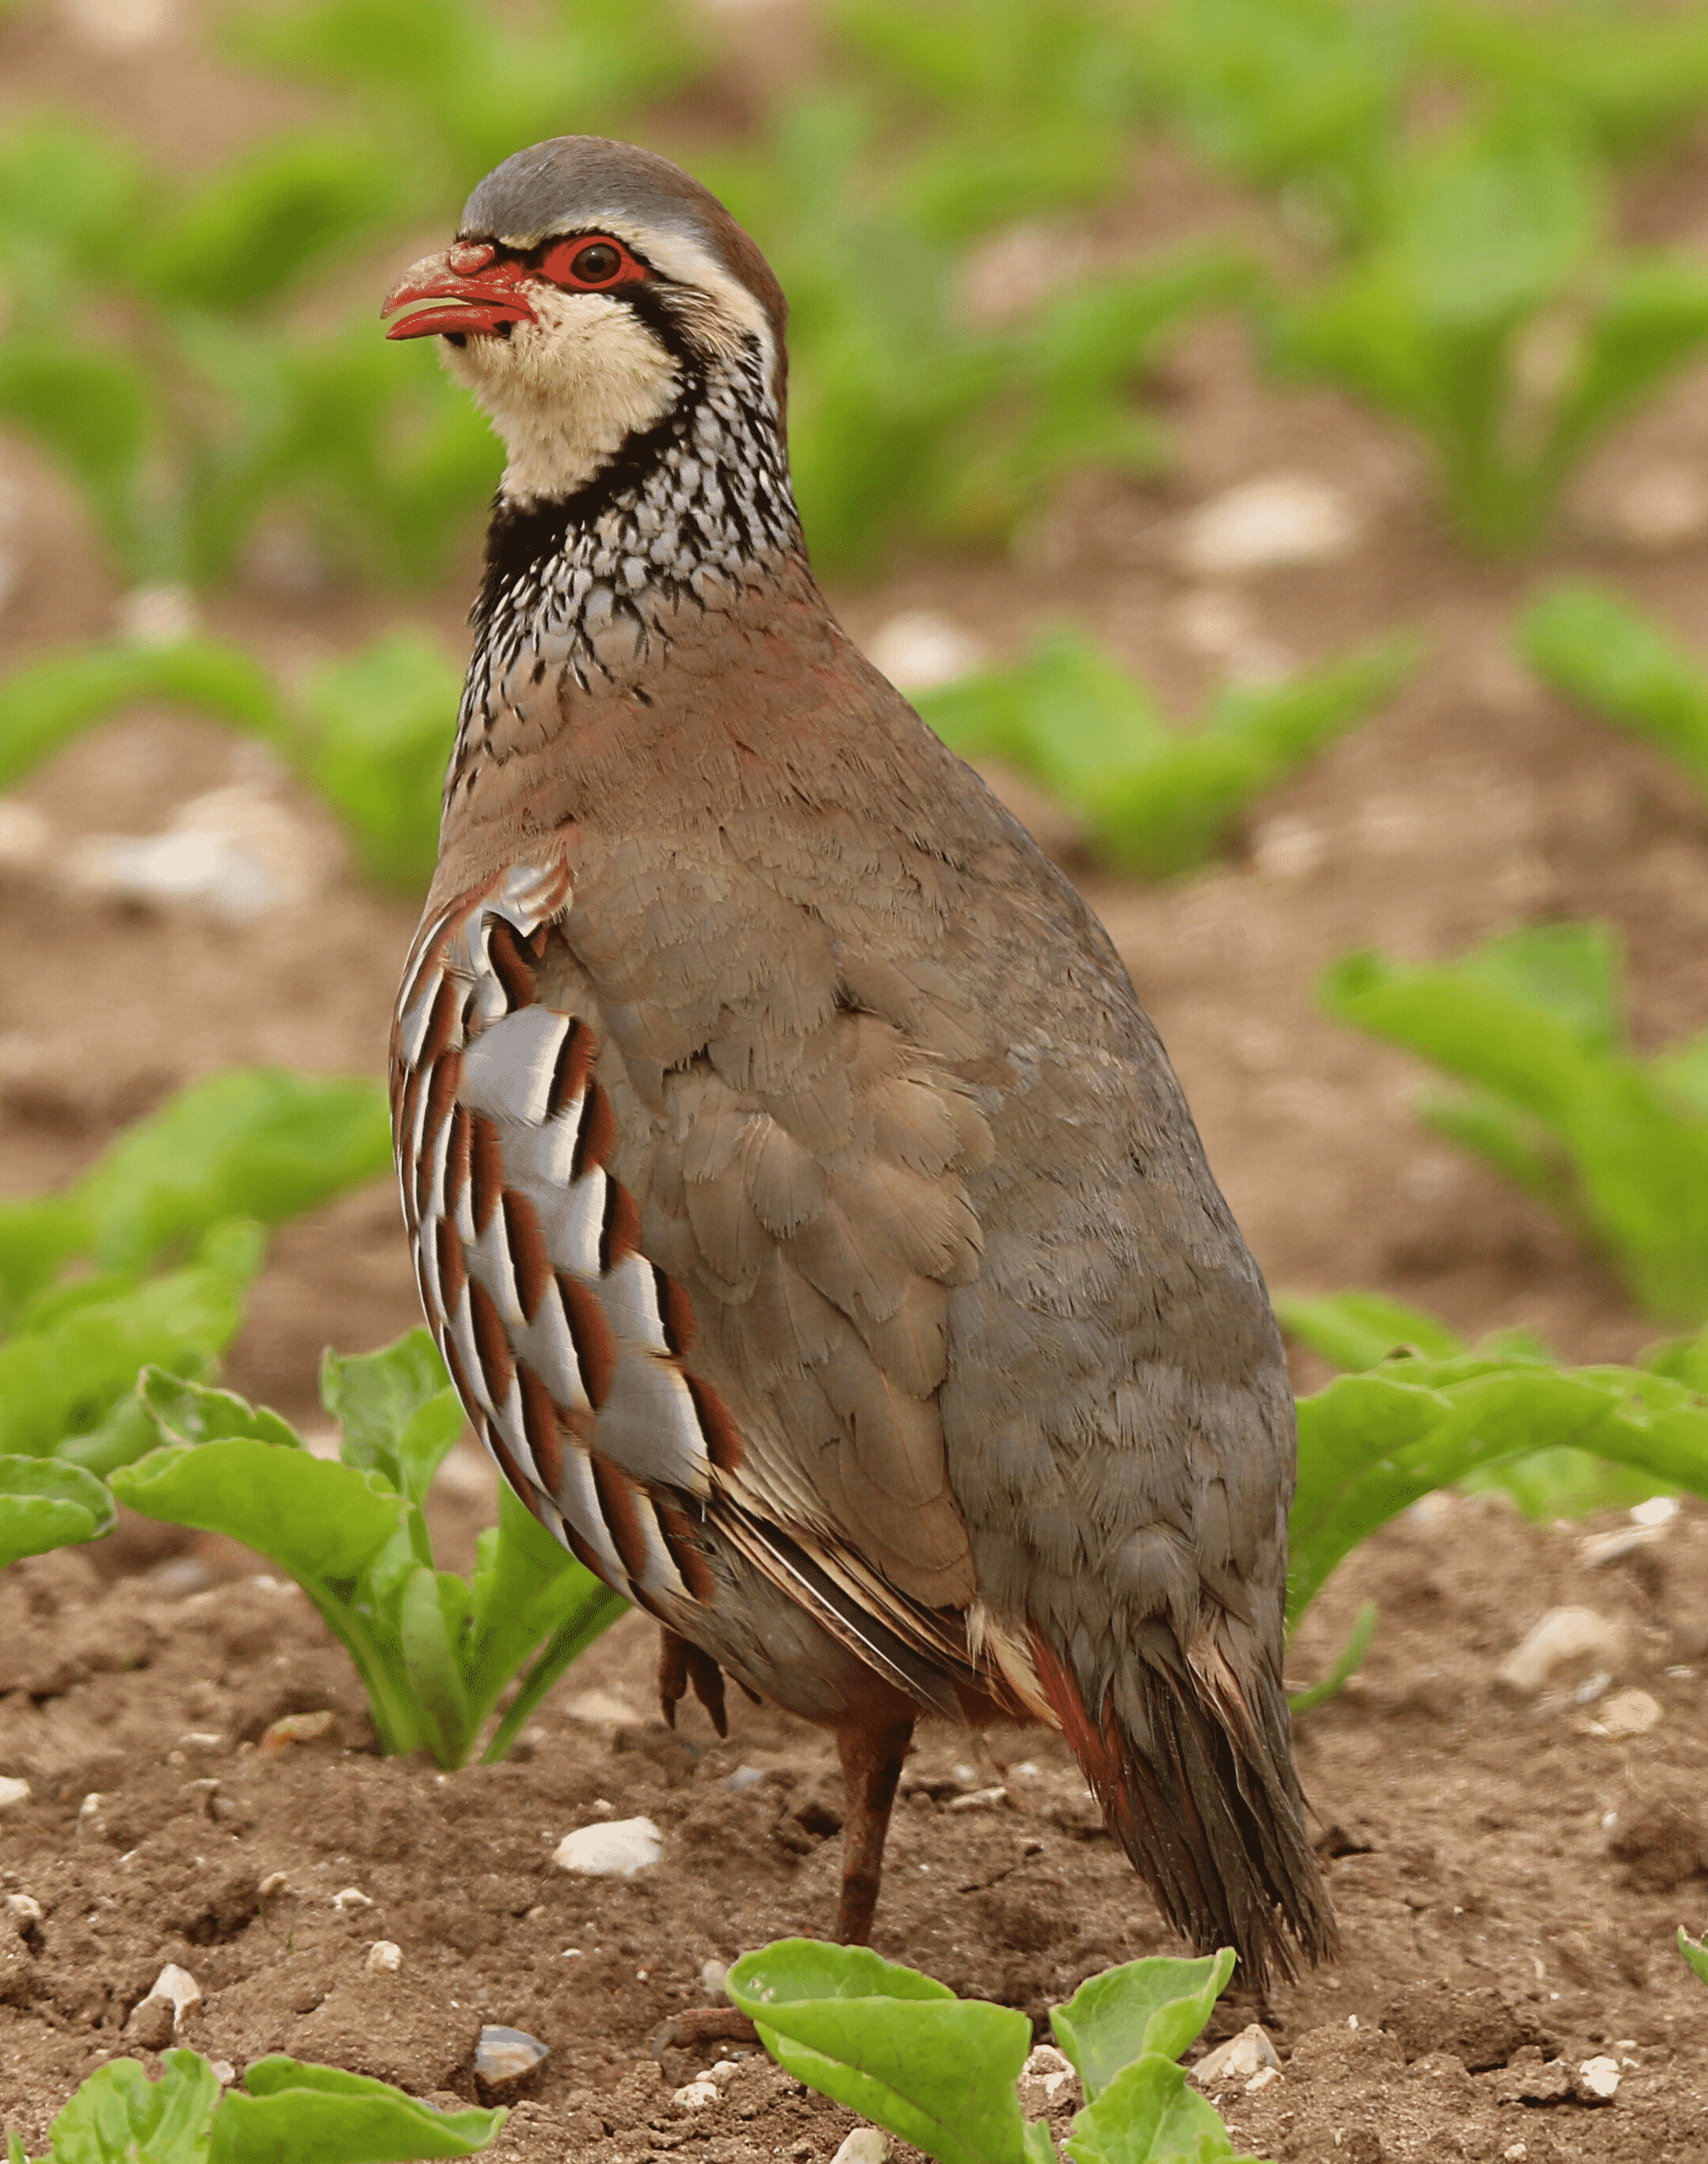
x=1195 y=1778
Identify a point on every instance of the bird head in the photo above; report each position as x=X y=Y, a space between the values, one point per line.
x=593 y=287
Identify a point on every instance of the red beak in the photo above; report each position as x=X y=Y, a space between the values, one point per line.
x=472 y=291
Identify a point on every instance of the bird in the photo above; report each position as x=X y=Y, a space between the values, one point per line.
x=810 y=1222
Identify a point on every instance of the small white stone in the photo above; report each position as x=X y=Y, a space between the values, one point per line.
x=1658 y=1510
x=275 y=1882
x=1238 y=2059
x=617 y=1849
x=1630 y=1713
x=696 y=2095
x=1053 y=2070
x=600 y=1708
x=89 y=1809
x=1261 y=524
x=504 y=2056
x=1515 y=2152
x=222 y=2071
x=352 y=1896
x=724 y=2069
x=1598 y=2079
x=385 y=1957
x=1261 y=2079
x=866 y=2145
x=980 y=1799
x=180 y=1990
x=714 y=1977
x=13 y=1792
x=1562 y=1634
x=201 y=1739
x=1623 y=1540
x=920 y=648
x=23 y=1909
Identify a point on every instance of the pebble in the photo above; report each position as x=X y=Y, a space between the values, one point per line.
x=866 y=2145
x=1562 y=1634
x=294 y=1728
x=385 y=1957
x=275 y=1882
x=714 y=1977
x=980 y=1799
x=1053 y=2070
x=1598 y=2080
x=1261 y=524
x=600 y=1709
x=741 y=1779
x=696 y=2095
x=1630 y=1713
x=23 y=1909
x=13 y=1792
x=617 y=1849
x=504 y=2057
x=180 y=1991
x=352 y=1896
x=1242 y=2056
x=237 y=851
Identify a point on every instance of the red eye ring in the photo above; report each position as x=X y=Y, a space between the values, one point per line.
x=592 y=263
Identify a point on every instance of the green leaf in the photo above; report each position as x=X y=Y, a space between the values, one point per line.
x=47 y=702
x=397 y=1409
x=1158 y=2005
x=1696 y=1952
x=383 y=722
x=183 y=1410
x=293 y=2113
x=45 y=1505
x=322 y=1523
x=92 y=411
x=253 y=228
x=120 y=2116
x=891 y=2045
x=1590 y=646
x=433 y=1614
x=1360 y=1330
x=256 y=1141
x=62 y=1380
x=1150 y=2114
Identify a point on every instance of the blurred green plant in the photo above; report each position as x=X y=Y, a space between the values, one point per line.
x=372 y=732
x=147 y=1257
x=940 y=2072
x=1601 y=655
x=1008 y=107
x=1371 y=1444
x=434 y=1651
x=1616 y=1144
x=1157 y=800
x=907 y=419
x=1357 y=1331
x=283 y=2113
x=1493 y=311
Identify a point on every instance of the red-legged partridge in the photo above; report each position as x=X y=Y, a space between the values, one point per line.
x=805 y=1206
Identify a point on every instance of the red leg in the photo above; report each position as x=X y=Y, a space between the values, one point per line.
x=871 y=1766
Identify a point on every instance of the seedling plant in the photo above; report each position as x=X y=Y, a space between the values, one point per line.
x=1157 y=800
x=1616 y=1144
x=1600 y=654
x=284 y=2113
x=940 y=2071
x=434 y=1651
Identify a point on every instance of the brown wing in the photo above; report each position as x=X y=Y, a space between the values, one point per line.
x=688 y=1252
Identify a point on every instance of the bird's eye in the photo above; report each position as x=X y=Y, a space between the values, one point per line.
x=596 y=264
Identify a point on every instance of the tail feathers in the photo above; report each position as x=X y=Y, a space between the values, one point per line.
x=1191 y=1764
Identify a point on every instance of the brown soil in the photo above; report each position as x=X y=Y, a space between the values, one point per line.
x=1508 y=1882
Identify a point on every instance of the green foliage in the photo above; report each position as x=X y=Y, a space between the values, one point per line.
x=1618 y=1145
x=434 y=1651
x=372 y=732
x=45 y=1504
x=906 y=419
x=1613 y=662
x=1492 y=313
x=1696 y=1952
x=940 y=2071
x=1157 y=801
x=1357 y=1331
x=1010 y=107
x=146 y=1259
x=1371 y=1444
x=285 y=2113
